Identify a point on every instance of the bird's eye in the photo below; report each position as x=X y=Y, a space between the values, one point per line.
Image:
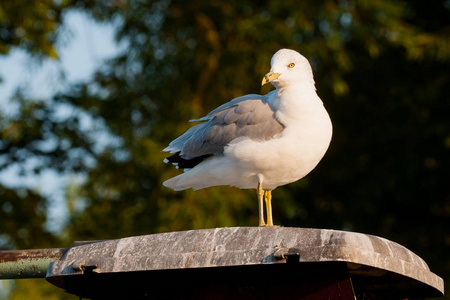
x=291 y=65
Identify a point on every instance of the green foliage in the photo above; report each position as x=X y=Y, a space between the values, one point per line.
x=30 y=25
x=381 y=68
x=39 y=289
x=22 y=217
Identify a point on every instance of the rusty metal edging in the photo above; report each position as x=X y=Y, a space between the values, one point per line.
x=29 y=263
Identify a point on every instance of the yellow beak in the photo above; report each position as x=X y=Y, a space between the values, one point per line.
x=271 y=76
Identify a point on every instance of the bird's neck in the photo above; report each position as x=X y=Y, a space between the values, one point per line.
x=306 y=91
x=293 y=101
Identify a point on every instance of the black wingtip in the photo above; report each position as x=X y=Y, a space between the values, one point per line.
x=183 y=163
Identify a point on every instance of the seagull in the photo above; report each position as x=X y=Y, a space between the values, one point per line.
x=257 y=141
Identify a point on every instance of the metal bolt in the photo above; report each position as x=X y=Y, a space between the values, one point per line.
x=289 y=254
x=78 y=265
x=292 y=256
x=279 y=254
x=81 y=265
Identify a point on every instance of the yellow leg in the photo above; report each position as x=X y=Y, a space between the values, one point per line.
x=260 y=193
x=268 y=200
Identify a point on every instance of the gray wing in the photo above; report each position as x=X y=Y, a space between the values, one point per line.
x=248 y=116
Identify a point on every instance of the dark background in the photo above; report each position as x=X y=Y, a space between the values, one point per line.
x=381 y=69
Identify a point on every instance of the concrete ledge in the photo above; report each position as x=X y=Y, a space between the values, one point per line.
x=374 y=264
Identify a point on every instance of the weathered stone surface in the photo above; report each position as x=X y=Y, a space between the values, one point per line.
x=365 y=255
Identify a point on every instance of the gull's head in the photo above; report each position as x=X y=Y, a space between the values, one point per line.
x=289 y=67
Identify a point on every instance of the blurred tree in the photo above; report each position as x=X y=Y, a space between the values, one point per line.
x=33 y=138
x=381 y=68
x=30 y=25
